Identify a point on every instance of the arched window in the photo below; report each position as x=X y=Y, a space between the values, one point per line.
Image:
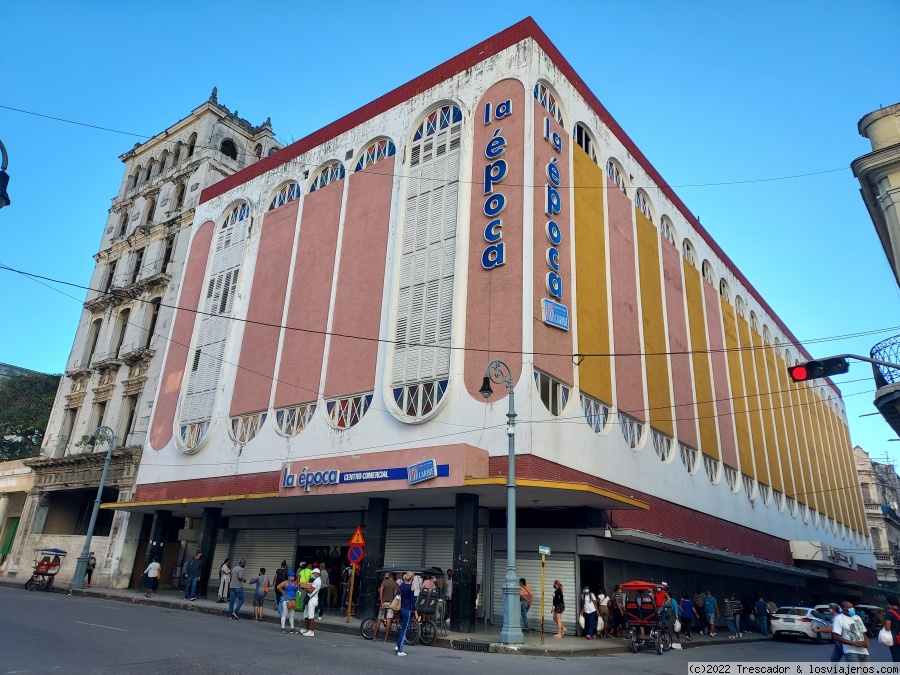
x=179 y=196
x=642 y=204
x=149 y=172
x=330 y=173
x=163 y=158
x=584 y=141
x=767 y=335
x=123 y=225
x=177 y=153
x=707 y=272
x=687 y=250
x=754 y=322
x=91 y=345
x=138 y=175
x=615 y=175
x=119 y=336
x=151 y=209
x=211 y=327
x=288 y=193
x=258 y=151
x=668 y=231
x=740 y=306
x=421 y=353
x=130 y=183
x=229 y=149
x=376 y=152
x=724 y=291
x=192 y=142
x=545 y=97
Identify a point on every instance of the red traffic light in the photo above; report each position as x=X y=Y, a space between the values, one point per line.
x=798 y=373
x=813 y=370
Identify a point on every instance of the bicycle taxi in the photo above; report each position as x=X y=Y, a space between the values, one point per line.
x=646 y=626
x=47 y=562
x=429 y=606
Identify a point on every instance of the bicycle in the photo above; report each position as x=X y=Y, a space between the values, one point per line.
x=414 y=632
x=659 y=637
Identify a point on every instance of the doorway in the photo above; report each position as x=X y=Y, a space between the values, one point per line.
x=591 y=574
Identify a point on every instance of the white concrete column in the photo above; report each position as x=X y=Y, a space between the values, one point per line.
x=4 y=507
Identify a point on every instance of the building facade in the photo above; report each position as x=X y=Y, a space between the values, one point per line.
x=342 y=299
x=111 y=375
x=881 y=495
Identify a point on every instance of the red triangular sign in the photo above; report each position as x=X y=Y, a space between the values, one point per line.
x=357 y=538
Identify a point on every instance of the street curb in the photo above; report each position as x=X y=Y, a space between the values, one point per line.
x=352 y=628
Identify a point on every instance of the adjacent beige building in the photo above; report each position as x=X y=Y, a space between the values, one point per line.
x=880 y=486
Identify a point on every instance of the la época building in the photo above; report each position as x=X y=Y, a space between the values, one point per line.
x=343 y=297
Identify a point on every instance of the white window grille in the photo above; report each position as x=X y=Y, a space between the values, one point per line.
x=329 y=174
x=291 y=421
x=245 y=427
x=804 y=512
x=554 y=394
x=712 y=469
x=779 y=499
x=192 y=434
x=287 y=193
x=545 y=97
x=212 y=325
x=346 y=412
x=425 y=294
x=724 y=291
x=662 y=445
x=687 y=250
x=688 y=457
x=632 y=430
x=376 y=152
x=667 y=230
x=583 y=140
x=749 y=485
x=642 y=204
x=754 y=322
x=708 y=273
x=418 y=400
x=731 y=477
x=615 y=175
x=596 y=413
x=792 y=506
x=765 y=493
x=741 y=307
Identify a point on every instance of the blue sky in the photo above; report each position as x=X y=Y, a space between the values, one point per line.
x=711 y=92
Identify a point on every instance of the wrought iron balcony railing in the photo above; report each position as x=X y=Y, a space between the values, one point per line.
x=886 y=350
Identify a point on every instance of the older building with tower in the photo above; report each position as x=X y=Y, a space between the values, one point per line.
x=112 y=372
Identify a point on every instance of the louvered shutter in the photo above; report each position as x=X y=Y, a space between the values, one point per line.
x=264 y=548
x=439 y=547
x=528 y=566
x=403 y=546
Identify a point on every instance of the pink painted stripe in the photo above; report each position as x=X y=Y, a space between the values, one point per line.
x=180 y=341
x=357 y=304
x=259 y=347
x=685 y=410
x=725 y=414
x=626 y=311
x=301 y=358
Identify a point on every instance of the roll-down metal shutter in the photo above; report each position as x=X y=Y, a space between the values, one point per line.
x=404 y=546
x=439 y=547
x=528 y=565
x=264 y=548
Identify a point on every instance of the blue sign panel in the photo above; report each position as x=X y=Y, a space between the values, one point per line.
x=422 y=471
x=555 y=314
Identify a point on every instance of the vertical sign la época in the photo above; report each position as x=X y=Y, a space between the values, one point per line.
x=555 y=312
x=495 y=171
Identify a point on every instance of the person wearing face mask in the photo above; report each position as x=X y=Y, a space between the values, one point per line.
x=850 y=631
x=589 y=612
x=838 y=651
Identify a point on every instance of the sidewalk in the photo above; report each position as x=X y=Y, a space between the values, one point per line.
x=482 y=638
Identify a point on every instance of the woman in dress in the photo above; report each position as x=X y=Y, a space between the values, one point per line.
x=559 y=606
x=224 y=580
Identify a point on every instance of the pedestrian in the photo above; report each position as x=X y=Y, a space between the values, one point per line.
x=236 y=595
x=312 y=603
x=892 y=625
x=762 y=616
x=407 y=606
x=671 y=614
x=733 y=609
x=448 y=595
x=603 y=612
x=259 y=593
x=345 y=582
x=288 y=590
x=92 y=563
x=838 y=652
x=387 y=591
x=152 y=573
x=192 y=570
x=526 y=597
x=659 y=597
x=699 y=601
x=333 y=597
x=589 y=612
x=687 y=613
x=224 y=580
x=323 y=575
x=620 y=617
x=850 y=632
x=711 y=609
x=280 y=577
x=559 y=606
x=304 y=577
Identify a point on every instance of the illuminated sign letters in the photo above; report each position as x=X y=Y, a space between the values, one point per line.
x=495 y=171
x=555 y=313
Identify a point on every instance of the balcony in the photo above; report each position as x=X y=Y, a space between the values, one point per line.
x=887 y=381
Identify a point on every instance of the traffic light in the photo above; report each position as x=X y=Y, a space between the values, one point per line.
x=813 y=370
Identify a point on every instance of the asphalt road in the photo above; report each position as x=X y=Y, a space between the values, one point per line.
x=51 y=632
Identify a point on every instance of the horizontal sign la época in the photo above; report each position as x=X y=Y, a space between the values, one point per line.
x=414 y=474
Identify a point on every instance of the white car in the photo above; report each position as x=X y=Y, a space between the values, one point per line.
x=798 y=622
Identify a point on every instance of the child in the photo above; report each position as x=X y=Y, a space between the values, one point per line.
x=259 y=594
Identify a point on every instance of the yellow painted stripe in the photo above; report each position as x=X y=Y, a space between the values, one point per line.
x=812 y=449
x=791 y=411
x=559 y=485
x=706 y=410
x=754 y=403
x=656 y=361
x=825 y=450
x=189 y=500
x=736 y=377
x=594 y=373
x=766 y=404
x=778 y=403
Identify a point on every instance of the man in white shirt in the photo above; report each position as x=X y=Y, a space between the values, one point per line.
x=850 y=632
x=312 y=603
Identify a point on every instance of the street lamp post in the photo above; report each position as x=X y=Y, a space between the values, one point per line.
x=511 y=633
x=107 y=434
